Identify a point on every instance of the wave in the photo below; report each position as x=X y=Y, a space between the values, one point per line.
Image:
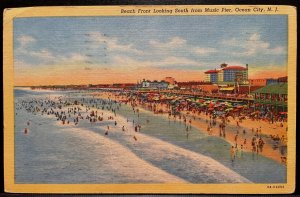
x=146 y=159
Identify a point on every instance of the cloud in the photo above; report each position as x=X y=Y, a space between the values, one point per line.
x=168 y=62
x=203 y=51
x=24 y=40
x=277 y=50
x=44 y=54
x=252 y=46
x=174 y=42
x=76 y=57
x=231 y=42
x=23 y=49
x=111 y=43
x=180 y=43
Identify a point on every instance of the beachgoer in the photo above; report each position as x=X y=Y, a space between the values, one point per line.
x=232 y=153
x=187 y=133
x=242 y=147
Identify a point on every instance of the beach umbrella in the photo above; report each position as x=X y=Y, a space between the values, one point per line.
x=229 y=109
x=210 y=109
x=211 y=104
x=206 y=102
x=228 y=104
x=156 y=98
x=201 y=100
x=257 y=112
x=173 y=101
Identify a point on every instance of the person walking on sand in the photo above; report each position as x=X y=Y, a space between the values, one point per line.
x=236 y=137
x=242 y=147
x=187 y=133
x=254 y=149
x=232 y=153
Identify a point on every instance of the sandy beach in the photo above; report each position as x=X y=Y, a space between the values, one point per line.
x=201 y=121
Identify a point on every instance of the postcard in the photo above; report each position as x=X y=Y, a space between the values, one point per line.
x=150 y=99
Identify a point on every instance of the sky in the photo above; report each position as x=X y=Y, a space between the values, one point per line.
x=98 y=50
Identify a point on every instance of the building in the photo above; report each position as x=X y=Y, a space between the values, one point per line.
x=227 y=75
x=273 y=95
x=258 y=82
x=209 y=88
x=235 y=74
x=282 y=79
x=267 y=81
x=271 y=81
x=248 y=89
x=170 y=80
x=211 y=76
x=147 y=84
x=191 y=84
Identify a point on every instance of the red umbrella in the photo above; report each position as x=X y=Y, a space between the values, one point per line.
x=211 y=104
x=210 y=109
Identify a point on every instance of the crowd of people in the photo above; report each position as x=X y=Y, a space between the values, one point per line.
x=217 y=115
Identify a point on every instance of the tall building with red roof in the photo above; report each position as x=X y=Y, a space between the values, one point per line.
x=211 y=76
x=228 y=74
